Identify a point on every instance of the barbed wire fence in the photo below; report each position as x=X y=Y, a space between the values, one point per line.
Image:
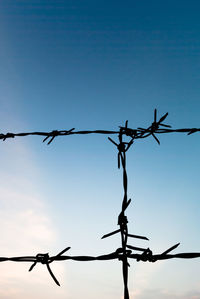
x=126 y=138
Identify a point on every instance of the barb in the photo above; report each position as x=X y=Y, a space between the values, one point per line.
x=154 y=128
x=55 y=133
x=44 y=258
x=122 y=148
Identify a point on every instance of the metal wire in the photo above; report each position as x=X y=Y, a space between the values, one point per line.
x=126 y=251
x=157 y=127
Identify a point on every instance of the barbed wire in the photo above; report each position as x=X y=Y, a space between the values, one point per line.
x=147 y=255
x=126 y=251
x=156 y=127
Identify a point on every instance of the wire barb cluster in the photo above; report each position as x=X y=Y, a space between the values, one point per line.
x=126 y=251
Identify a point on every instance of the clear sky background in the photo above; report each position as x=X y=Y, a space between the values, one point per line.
x=93 y=65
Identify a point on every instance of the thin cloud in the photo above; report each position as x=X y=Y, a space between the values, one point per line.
x=26 y=229
x=164 y=294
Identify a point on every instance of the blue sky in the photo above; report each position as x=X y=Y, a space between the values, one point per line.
x=93 y=65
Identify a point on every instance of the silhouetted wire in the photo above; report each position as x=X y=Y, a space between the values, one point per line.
x=125 y=252
x=147 y=255
x=157 y=127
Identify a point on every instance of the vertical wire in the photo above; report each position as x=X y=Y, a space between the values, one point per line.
x=123 y=227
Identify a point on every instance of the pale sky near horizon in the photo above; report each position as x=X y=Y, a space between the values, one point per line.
x=94 y=65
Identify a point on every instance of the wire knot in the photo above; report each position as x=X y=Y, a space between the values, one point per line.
x=52 y=134
x=44 y=259
x=56 y=133
x=121 y=253
x=128 y=131
x=155 y=127
x=122 y=148
x=147 y=255
x=122 y=220
x=8 y=135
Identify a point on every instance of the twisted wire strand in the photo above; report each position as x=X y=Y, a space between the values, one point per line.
x=110 y=256
x=45 y=259
x=157 y=127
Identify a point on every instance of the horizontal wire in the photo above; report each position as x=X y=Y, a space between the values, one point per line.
x=66 y=133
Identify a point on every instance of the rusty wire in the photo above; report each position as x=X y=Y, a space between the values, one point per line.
x=126 y=251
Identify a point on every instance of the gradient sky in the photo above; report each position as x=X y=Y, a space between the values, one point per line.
x=94 y=65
